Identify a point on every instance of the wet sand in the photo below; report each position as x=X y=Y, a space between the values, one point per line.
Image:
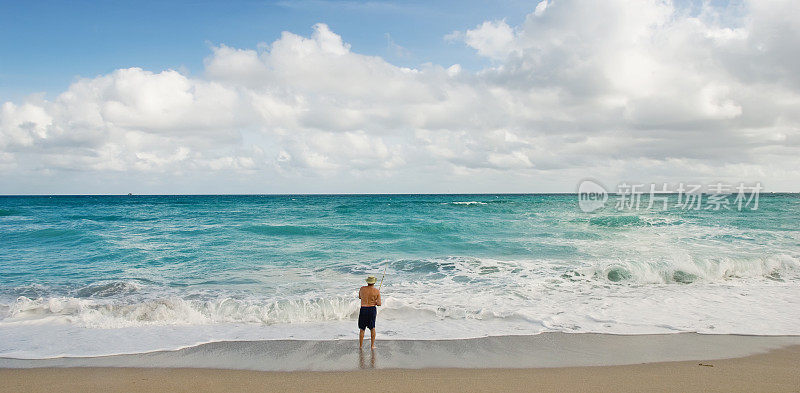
x=544 y=362
x=775 y=371
x=531 y=351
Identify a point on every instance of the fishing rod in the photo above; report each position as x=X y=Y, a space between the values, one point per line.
x=384 y=275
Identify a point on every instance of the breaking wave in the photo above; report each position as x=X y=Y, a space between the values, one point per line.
x=175 y=311
x=108 y=289
x=118 y=304
x=689 y=270
x=619 y=221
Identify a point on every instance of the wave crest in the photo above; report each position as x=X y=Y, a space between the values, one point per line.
x=108 y=289
x=688 y=270
x=176 y=311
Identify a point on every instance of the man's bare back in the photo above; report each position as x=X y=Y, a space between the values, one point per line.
x=369 y=295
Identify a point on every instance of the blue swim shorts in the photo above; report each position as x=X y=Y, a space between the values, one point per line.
x=366 y=318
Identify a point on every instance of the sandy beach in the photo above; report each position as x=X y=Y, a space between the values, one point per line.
x=775 y=371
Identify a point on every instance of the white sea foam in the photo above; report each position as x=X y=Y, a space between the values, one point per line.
x=687 y=269
x=462 y=297
x=93 y=313
x=412 y=310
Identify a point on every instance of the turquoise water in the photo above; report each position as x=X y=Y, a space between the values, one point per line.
x=456 y=265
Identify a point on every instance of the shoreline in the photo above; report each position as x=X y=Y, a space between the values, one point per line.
x=775 y=370
x=545 y=350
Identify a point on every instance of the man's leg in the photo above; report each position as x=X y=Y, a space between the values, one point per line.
x=361 y=338
x=372 y=337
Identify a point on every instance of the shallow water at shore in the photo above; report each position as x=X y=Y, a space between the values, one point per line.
x=544 y=350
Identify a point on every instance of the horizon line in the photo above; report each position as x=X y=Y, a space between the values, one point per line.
x=364 y=194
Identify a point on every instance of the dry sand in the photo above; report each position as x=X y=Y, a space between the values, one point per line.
x=776 y=371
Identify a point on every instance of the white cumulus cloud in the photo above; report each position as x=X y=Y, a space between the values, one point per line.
x=616 y=90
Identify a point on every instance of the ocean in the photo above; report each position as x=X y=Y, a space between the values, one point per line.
x=102 y=275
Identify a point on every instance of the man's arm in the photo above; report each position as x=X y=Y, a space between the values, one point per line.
x=359 y=292
x=379 y=298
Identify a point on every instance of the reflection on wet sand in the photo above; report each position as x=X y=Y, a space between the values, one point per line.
x=362 y=361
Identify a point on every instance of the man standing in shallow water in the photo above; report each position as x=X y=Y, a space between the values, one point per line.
x=370 y=299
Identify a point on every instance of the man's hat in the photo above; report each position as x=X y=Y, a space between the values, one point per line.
x=371 y=280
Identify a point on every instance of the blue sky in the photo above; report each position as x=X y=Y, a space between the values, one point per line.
x=46 y=44
x=369 y=96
